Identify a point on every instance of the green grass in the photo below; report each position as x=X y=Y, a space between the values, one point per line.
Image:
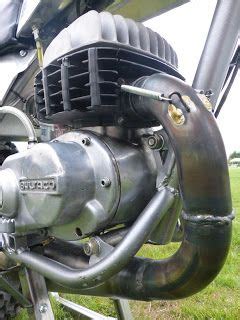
x=220 y=300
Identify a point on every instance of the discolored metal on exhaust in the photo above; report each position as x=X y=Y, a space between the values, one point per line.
x=205 y=191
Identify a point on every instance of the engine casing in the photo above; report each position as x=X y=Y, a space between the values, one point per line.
x=76 y=185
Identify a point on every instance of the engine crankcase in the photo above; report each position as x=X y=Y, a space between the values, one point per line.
x=76 y=185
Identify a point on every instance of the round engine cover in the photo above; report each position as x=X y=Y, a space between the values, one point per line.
x=56 y=183
x=76 y=185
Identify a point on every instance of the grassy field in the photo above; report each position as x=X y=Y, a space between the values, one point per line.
x=220 y=300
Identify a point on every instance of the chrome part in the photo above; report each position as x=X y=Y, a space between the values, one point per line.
x=219 y=48
x=92 y=247
x=23 y=53
x=32 y=136
x=145 y=93
x=114 y=261
x=155 y=141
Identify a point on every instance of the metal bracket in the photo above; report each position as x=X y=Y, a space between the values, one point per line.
x=34 y=287
x=122 y=308
x=87 y=313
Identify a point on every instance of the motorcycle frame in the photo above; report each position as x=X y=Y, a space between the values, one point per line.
x=219 y=49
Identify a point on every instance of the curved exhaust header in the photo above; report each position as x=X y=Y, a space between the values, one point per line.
x=205 y=192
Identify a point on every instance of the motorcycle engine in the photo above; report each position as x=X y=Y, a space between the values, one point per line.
x=102 y=172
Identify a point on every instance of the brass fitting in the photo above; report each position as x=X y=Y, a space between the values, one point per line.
x=176 y=114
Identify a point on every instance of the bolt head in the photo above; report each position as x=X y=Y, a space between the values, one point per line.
x=43 y=308
x=155 y=142
x=23 y=53
x=86 y=141
x=105 y=182
x=91 y=247
x=151 y=141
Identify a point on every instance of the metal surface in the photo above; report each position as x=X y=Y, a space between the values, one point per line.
x=123 y=309
x=145 y=93
x=194 y=157
x=27 y=10
x=34 y=287
x=39 y=12
x=131 y=168
x=106 y=29
x=114 y=261
x=22 y=117
x=7 y=225
x=219 y=48
x=10 y=66
x=76 y=185
x=141 y=10
x=48 y=169
x=199 y=150
x=115 y=236
x=80 y=310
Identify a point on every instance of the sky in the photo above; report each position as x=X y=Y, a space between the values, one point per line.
x=186 y=28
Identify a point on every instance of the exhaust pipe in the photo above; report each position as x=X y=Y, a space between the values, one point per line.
x=207 y=209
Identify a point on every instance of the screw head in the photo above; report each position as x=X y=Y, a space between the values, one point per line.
x=43 y=308
x=86 y=141
x=121 y=121
x=23 y=53
x=105 y=182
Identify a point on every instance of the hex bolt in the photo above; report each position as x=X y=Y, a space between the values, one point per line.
x=91 y=247
x=155 y=142
x=43 y=308
x=86 y=141
x=23 y=53
x=105 y=182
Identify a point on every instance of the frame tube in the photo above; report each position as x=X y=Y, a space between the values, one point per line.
x=219 y=48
